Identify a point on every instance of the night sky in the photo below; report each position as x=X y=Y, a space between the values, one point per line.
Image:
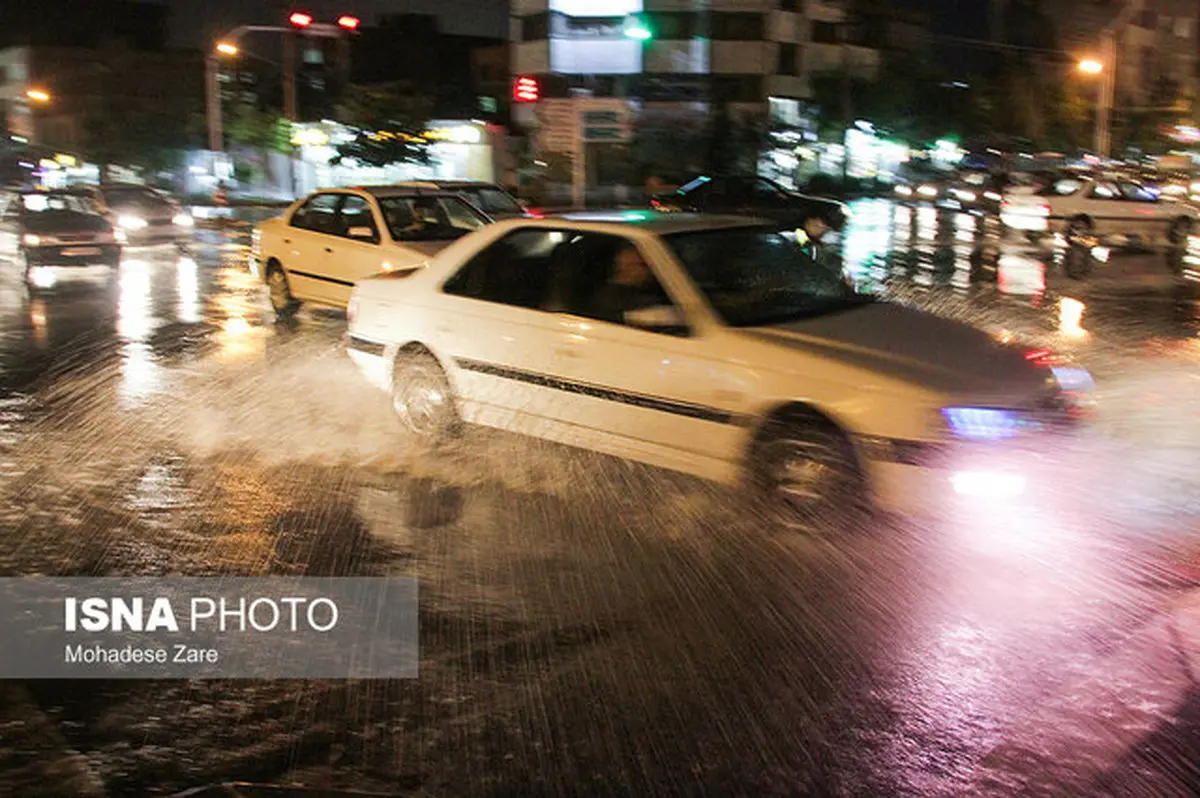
x=194 y=22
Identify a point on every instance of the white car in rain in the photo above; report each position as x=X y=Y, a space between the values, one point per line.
x=325 y=243
x=706 y=344
x=1102 y=207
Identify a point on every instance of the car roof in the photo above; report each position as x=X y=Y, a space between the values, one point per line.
x=457 y=183
x=657 y=222
x=397 y=190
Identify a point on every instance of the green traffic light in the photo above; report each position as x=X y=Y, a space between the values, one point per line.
x=635 y=28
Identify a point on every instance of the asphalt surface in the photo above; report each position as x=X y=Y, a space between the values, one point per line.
x=594 y=627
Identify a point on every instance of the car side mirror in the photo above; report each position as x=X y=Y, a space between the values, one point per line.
x=657 y=318
x=362 y=233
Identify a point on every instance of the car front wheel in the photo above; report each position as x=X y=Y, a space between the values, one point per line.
x=807 y=476
x=280 y=293
x=1179 y=231
x=422 y=397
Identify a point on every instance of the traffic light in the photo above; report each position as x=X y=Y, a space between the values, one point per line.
x=347 y=22
x=636 y=27
x=300 y=19
x=526 y=89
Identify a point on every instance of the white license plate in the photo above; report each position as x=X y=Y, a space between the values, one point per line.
x=79 y=252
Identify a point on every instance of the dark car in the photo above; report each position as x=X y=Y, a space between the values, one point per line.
x=144 y=215
x=60 y=232
x=487 y=197
x=757 y=196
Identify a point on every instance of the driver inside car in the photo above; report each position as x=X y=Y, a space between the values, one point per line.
x=631 y=285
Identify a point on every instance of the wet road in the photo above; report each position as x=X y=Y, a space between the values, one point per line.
x=590 y=626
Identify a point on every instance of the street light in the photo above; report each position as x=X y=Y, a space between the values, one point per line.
x=38 y=95
x=348 y=22
x=636 y=28
x=300 y=19
x=1091 y=66
x=226 y=48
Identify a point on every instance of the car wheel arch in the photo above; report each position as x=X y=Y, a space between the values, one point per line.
x=415 y=348
x=801 y=413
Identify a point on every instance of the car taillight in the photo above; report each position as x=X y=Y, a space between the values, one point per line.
x=1045 y=209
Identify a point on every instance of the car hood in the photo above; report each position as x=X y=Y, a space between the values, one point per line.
x=914 y=347
x=50 y=222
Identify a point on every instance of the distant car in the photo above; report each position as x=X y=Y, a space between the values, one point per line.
x=1084 y=206
x=487 y=197
x=60 y=234
x=145 y=215
x=758 y=197
x=323 y=244
x=710 y=345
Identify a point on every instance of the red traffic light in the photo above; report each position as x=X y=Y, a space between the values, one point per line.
x=526 y=90
x=300 y=19
x=348 y=22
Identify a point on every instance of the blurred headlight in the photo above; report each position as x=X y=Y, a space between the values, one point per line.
x=904 y=191
x=991 y=195
x=130 y=222
x=120 y=237
x=983 y=423
x=927 y=191
x=965 y=196
x=183 y=220
x=31 y=240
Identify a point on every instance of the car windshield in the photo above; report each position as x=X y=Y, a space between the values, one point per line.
x=754 y=276
x=429 y=218
x=133 y=198
x=56 y=203
x=492 y=200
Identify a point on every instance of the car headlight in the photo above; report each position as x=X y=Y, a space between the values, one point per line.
x=120 y=237
x=965 y=196
x=984 y=423
x=927 y=191
x=31 y=240
x=183 y=220
x=130 y=222
x=903 y=191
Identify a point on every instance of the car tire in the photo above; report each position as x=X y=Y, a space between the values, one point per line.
x=1179 y=231
x=279 y=291
x=807 y=476
x=1078 y=229
x=422 y=398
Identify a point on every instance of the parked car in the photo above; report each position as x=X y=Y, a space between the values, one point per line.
x=323 y=244
x=487 y=197
x=61 y=234
x=1085 y=206
x=759 y=197
x=710 y=345
x=145 y=215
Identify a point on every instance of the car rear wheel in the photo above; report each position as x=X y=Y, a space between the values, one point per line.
x=280 y=292
x=422 y=397
x=807 y=476
x=1179 y=230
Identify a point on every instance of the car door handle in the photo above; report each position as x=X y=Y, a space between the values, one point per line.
x=329 y=249
x=568 y=352
x=287 y=240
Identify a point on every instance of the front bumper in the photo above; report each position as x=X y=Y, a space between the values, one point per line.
x=73 y=255
x=158 y=233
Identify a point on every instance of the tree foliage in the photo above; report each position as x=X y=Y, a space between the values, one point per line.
x=389 y=122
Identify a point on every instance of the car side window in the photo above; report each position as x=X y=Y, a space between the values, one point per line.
x=1136 y=193
x=356 y=215
x=1104 y=190
x=604 y=277
x=512 y=271
x=319 y=214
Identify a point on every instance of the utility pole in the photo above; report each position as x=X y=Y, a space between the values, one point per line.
x=1108 y=80
x=847 y=110
x=212 y=97
x=290 y=111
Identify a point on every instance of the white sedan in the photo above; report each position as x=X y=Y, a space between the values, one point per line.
x=323 y=244
x=1087 y=206
x=705 y=344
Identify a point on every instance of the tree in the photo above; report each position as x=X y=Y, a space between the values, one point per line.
x=390 y=122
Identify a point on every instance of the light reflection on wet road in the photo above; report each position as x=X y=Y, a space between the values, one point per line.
x=590 y=626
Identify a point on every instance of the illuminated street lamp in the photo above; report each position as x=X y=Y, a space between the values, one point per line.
x=1091 y=66
x=38 y=95
x=227 y=48
x=300 y=19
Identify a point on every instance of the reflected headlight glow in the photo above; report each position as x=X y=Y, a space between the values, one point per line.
x=183 y=220
x=42 y=277
x=130 y=222
x=965 y=196
x=903 y=191
x=991 y=195
x=927 y=191
x=989 y=484
x=31 y=240
x=983 y=423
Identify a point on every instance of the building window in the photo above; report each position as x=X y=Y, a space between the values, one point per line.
x=787 y=60
x=737 y=26
x=535 y=28
x=825 y=32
